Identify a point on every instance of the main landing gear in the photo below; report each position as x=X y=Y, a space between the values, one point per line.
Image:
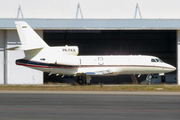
x=82 y=81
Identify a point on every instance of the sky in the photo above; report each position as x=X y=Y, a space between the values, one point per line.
x=91 y=9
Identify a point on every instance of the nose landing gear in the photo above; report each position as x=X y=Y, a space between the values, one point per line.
x=148 y=79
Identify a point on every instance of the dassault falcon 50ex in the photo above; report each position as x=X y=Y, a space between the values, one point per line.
x=64 y=60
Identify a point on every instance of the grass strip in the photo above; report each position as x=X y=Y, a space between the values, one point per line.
x=166 y=88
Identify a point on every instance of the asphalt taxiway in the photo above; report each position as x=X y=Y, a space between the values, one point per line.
x=18 y=105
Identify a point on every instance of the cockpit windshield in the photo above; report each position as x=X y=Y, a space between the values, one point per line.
x=160 y=60
x=156 y=60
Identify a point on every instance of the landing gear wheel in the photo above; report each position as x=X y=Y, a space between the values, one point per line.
x=80 y=81
x=149 y=82
x=89 y=83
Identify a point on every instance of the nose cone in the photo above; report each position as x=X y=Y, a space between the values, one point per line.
x=170 y=68
x=173 y=68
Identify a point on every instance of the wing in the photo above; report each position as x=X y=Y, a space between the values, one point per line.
x=103 y=72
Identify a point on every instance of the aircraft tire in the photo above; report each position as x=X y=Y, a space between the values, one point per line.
x=80 y=81
x=149 y=82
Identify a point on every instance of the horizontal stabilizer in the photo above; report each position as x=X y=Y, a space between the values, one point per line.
x=13 y=48
x=25 y=47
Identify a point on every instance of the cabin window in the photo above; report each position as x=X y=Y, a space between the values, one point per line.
x=153 y=60
x=42 y=59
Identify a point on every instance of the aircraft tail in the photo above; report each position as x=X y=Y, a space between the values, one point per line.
x=29 y=38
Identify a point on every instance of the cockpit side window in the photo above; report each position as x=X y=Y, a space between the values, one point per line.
x=156 y=60
x=153 y=60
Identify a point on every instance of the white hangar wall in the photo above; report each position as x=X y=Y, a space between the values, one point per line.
x=16 y=74
x=1 y=57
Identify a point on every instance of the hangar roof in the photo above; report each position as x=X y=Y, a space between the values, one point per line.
x=109 y=24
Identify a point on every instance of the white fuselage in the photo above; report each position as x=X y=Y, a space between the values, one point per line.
x=55 y=62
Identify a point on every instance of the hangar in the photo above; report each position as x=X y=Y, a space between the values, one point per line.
x=157 y=37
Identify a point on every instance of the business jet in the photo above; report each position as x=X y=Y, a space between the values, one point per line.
x=64 y=60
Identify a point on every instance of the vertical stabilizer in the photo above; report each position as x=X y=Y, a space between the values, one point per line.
x=28 y=37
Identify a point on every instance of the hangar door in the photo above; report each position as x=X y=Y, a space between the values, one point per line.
x=160 y=43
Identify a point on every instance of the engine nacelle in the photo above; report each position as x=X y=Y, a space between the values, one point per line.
x=68 y=60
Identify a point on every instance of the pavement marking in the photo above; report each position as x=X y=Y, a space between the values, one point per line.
x=102 y=110
x=92 y=92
